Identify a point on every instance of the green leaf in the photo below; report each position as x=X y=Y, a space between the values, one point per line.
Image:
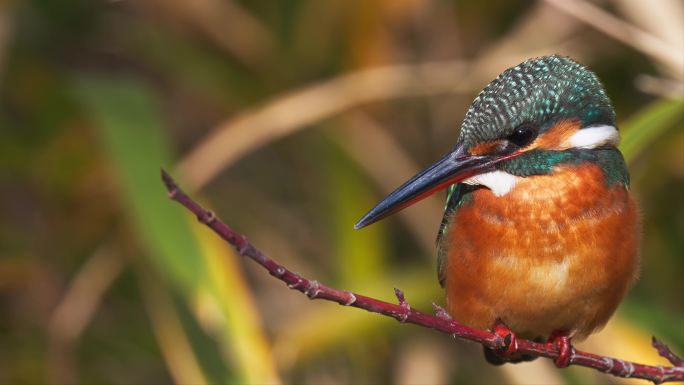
x=361 y=255
x=647 y=125
x=131 y=132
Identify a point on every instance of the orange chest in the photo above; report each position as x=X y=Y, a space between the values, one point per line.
x=550 y=217
x=565 y=241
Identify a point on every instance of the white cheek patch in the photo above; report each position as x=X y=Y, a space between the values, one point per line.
x=592 y=137
x=501 y=183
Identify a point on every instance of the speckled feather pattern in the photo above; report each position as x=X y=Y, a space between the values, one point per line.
x=542 y=91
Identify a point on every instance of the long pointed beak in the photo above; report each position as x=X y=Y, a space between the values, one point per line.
x=454 y=167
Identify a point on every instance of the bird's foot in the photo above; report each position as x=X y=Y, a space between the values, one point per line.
x=510 y=341
x=507 y=350
x=561 y=341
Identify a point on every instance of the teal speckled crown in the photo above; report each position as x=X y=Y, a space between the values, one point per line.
x=540 y=91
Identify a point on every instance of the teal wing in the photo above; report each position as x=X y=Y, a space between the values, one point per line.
x=454 y=199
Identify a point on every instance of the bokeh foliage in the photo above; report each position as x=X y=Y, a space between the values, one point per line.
x=104 y=280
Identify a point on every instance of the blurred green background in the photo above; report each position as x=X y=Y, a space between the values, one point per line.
x=290 y=119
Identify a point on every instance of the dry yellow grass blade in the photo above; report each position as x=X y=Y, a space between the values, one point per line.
x=626 y=33
x=539 y=32
x=666 y=20
x=82 y=298
x=77 y=307
x=289 y=112
x=173 y=343
x=226 y=304
x=293 y=111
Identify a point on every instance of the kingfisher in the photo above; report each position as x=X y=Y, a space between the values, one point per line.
x=540 y=236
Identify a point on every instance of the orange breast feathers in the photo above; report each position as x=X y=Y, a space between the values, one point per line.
x=557 y=253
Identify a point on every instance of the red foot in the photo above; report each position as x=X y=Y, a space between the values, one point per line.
x=560 y=340
x=509 y=338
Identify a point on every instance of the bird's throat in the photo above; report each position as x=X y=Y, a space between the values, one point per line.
x=499 y=182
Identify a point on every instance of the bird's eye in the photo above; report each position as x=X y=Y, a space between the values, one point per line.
x=523 y=135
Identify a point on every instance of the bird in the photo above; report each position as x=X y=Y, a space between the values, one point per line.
x=541 y=234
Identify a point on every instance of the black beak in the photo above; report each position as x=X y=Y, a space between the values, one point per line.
x=456 y=166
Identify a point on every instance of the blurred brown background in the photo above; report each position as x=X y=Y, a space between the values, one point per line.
x=290 y=119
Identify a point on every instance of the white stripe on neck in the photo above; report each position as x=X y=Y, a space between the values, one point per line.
x=595 y=136
x=500 y=182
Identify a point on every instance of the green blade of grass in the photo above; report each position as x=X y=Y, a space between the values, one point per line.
x=129 y=125
x=361 y=254
x=130 y=132
x=647 y=125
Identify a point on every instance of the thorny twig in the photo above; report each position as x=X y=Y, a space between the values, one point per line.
x=405 y=314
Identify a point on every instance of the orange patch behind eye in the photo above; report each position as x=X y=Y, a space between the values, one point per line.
x=556 y=137
x=485 y=148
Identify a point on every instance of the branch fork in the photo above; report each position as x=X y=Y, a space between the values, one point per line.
x=441 y=321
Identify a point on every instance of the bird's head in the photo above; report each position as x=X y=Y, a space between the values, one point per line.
x=514 y=128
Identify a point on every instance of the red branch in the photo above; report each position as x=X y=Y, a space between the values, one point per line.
x=405 y=314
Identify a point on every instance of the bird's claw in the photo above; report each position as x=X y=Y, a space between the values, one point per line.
x=561 y=341
x=510 y=341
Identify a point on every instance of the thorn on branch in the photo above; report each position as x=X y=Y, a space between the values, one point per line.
x=400 y=296
x=404 y=305
x=171 y=187
x=441 y=313
x=172 y=193
x=665 y=351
